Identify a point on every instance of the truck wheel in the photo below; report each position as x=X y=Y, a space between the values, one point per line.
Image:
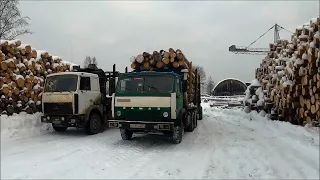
x=190 y=121
x=59 y=128
x=126 y=134
x=93 y=125
x=194 y=115
x=177 y=134
x=200 y=113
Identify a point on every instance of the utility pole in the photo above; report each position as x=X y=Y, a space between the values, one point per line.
x=71 y=58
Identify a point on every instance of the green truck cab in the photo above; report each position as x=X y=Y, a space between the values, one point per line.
x=148 y=101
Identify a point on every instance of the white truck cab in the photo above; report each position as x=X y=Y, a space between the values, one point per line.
x=76 y=99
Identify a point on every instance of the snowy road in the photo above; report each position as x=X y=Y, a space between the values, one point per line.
x=226 y=144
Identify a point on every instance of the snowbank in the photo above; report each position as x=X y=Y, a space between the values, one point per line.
x=205 y=105
x=22 y=124
x=299 y=133
x=305 y=135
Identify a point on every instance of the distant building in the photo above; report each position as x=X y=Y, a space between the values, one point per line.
x=229 y=87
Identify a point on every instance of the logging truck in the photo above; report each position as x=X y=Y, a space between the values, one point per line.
x=78 y=99
x=165 y=101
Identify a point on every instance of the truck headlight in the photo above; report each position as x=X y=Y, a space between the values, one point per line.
x=165 y=114
x=118 y=113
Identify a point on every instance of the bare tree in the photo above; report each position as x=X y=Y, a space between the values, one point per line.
x=210 y=85
x=12 y=23
x=94 y=61
x=90 y=60
x=203 y=76
x=86 y=61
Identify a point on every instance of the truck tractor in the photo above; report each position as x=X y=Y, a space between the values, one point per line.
x=78 y=99
x=164 y=101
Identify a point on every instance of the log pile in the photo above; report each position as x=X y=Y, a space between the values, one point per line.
x=160 y=60
x=22 y=73
x=290 y=76
x=165 y=60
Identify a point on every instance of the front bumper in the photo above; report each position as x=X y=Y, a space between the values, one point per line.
x=141 y=125
x=70 y=121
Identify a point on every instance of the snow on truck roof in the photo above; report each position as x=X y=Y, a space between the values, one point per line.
x=70 y=73
x=149 y=72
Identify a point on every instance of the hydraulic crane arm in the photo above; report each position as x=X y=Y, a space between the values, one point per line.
x=258 y=51
x=245 y=50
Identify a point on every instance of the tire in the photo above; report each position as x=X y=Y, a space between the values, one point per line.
x=195 y=120
x=190 y=126
x=59 y=128
x=200 y=113
x=126 y=134
x=94 y=124
x=177 y=134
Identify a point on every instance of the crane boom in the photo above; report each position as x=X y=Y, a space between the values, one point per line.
x=257 y=51
x=245 y=50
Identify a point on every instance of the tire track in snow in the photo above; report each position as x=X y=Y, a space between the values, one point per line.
x=226 y=144
x=167 y=153
x=143 y=159
x=216 y=168
x=106 y=160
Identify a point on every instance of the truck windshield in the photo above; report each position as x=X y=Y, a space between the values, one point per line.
x=145 y=84
x=61 y=83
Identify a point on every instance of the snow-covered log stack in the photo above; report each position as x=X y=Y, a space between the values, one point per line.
x=251 y=99
x=290 y=75
x=22 y=73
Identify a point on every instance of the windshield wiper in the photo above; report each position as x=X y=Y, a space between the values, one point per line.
x=152 y=87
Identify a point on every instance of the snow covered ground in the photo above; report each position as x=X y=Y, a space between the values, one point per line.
x=228 y=143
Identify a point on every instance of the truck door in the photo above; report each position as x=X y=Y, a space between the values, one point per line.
x=88 y=93
x=179 y=93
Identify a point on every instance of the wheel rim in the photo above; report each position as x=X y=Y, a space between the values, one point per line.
x=95 y=125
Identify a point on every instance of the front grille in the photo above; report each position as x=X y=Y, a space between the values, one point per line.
x=142 y=115
x=57 y=108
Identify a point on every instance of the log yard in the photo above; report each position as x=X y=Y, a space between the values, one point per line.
x=159 y=116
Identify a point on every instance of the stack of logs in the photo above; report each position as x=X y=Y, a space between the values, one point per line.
x=160 y=60
x=165 y=60
x=290 y=76
x=22 y=73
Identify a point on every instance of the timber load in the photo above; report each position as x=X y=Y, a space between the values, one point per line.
x=290 y=77
x=172 y=59
x=23 y=70
x=166 y=61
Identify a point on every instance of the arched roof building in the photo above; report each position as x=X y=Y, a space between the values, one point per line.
x=229 y=87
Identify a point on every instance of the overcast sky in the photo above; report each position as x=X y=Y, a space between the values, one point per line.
x=203 y=30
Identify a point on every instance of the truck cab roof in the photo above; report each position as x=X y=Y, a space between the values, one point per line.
x=169 y=73
x=73 y=73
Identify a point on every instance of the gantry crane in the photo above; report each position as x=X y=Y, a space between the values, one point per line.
x=258 y=51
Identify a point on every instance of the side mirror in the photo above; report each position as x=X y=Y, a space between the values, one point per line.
x=184 y=86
